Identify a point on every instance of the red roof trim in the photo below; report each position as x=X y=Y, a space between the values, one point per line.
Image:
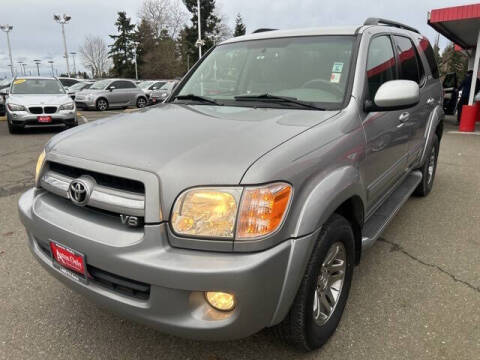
x=455 y=13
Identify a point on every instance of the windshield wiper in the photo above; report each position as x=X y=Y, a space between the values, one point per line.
x=197 y=98
x=275 y=98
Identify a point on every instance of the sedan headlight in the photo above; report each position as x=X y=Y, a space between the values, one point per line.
x=231 y=212
x=39 y=167
x=15 y=107
x=67 y=106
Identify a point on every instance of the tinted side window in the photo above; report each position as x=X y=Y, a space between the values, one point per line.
x=127 y=85
x=409 y=66
x=116 y=84
x=427 y=50
x=380 y=64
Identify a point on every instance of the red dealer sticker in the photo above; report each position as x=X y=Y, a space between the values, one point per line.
x=68 y=258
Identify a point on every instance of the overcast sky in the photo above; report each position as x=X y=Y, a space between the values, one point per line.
x=37 y=36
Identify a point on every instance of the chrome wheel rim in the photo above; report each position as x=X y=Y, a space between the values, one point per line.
x=329 y=283
x=102 y=105
x=431 y=164
x=141 y=103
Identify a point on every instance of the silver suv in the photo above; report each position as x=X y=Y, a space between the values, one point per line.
x=111 y=93
x=38 y=102
x=246 y=200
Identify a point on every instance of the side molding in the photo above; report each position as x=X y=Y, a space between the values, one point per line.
x=436 y=117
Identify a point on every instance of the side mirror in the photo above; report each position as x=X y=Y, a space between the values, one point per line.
x=155 y=88
x=4 y=92
x=477 y=97
x=111 y=88
x=395 y=95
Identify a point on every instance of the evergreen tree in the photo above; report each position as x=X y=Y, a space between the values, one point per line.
x=454 y=61
x=240 y=28
x=210 y=24
x=146 y=42
x=123 y=48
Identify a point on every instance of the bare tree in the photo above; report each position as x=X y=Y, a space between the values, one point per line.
x=94 y=54
x=164 y=15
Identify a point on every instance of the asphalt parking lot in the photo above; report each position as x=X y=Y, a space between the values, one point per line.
x=415 y=295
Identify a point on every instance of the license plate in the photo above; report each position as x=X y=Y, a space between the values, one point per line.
x=44 y=119
x=68 y=261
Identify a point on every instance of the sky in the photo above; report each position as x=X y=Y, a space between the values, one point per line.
x=37 y=36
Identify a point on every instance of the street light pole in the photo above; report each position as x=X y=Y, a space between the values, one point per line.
x=37 y=62
x=74 y=64
x=199 y=41
x=62 y=20
x=51 y=65
x=7 y=28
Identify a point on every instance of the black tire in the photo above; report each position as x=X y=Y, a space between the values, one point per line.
x=12 y=129
x=141 y=102
x=426 y=185
x=102 y=104
x=299 y=327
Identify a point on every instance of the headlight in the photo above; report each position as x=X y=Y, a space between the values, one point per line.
x=39 y=167
x=15 y=107
x=67 y=106
x=228 y=213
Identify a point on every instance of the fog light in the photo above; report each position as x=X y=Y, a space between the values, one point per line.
x=220 y=300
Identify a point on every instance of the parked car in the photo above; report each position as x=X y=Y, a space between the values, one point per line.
x=160 y=95
x=149 y=86
x=111 y=93
x=67 y=82
x=4 y=84
x=81 y=85
x=246 y=200
x=450 y=93
x=38 y=101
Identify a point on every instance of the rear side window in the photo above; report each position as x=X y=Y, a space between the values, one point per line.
x=427 y=50
x=380 y=64
x=127 y=85
x=410 y=67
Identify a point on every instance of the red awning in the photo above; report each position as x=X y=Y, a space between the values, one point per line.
x=459 y=24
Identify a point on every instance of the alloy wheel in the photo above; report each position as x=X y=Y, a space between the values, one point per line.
x=329 y=283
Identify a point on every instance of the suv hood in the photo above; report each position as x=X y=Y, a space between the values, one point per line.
x=40 y=99
x=187 y=145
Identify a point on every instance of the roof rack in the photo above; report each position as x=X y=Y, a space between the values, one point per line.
x=380 y=21
x=263 y=30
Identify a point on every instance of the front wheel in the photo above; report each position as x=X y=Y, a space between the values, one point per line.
x=12 y=129
x=141 y=102
x=323 y=293
x=102 y=104
x=428 y=170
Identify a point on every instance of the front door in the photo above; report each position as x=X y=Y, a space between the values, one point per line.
x=387 y=141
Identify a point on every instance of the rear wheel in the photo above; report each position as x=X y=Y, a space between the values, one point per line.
x=102 y=104
x=428 y=169
x=323 y=293
x=141 y=102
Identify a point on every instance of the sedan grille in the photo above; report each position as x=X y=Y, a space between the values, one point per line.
x=36 y=109
x=50 y=109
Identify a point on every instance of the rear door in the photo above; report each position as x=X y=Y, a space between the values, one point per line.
x=416 y=118
x=387 y=145
x=131 y=91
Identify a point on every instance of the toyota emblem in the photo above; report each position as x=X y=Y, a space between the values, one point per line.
x=79 y=192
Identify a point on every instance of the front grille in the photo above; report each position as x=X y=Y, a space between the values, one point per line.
x=114 y=182
x=36 y=109
x=50 y=109
x=111 y=281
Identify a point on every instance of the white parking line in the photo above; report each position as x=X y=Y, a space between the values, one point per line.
x=464 y=133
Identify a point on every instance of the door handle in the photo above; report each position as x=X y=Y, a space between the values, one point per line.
x=430 y=101
x=404 y=117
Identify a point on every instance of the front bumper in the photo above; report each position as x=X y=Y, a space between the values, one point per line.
x=177 y=278
x=85 y=103
x=24 y=118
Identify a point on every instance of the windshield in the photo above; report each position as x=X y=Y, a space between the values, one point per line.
x=311 y=69
x=37 y=86
x=100 y=85
x=145 y=84
x=77 y=86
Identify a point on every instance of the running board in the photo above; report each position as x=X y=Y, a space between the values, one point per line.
x=375 y=225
